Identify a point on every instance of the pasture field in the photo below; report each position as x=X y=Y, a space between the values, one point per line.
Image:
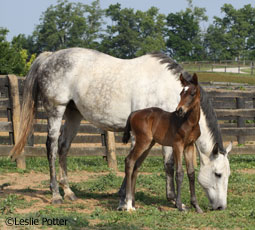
x=225 y=77
x=26 y=195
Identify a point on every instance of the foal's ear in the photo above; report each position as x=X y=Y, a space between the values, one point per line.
x=184 y=81
x=194 y=79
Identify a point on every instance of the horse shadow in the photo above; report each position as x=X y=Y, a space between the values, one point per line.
x=110 y=200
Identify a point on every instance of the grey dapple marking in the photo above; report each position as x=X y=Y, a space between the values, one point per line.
x=104 y=90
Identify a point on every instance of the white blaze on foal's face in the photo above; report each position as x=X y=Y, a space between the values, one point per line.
x=186 y=88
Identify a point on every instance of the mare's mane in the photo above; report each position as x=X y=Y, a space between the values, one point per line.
x=205 y=102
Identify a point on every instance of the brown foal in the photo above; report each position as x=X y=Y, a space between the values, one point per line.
x=179 y=129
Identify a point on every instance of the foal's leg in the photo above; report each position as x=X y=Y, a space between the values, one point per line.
x=122 y=191
x=169 y=169
x=130 y=161
x=178 y=152
x=54 y=124
x=69 y=130
x=136 y=168
x=188 y=154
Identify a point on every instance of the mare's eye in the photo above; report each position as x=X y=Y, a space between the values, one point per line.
x=218 y=175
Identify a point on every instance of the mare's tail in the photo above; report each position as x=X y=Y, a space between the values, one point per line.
x=127 y=130
x=30 y=97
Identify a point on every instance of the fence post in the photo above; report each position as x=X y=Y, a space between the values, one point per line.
x=240 y=104
x=15 y=103
x=111 y=151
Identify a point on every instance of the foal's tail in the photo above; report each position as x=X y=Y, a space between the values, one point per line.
x=127 y=130
x=29 y=105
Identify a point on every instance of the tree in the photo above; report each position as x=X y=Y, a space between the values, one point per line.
x=232 y=36
x=68 y=25
x=133 y=33
x=183 y=33
x=14 y=59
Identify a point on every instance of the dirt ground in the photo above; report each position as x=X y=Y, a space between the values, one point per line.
x=38 y=183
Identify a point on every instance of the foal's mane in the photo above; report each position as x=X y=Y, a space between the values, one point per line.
x=205 y=102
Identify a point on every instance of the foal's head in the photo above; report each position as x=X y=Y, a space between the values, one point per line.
x=190 y=95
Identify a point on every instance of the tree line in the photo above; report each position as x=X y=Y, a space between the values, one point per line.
x=128 y=33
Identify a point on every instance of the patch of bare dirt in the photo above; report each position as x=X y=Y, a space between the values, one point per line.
x=247 y=171
x=33 y=188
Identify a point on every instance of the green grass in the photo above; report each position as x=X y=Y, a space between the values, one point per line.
x=153 y=212
x=226 y=77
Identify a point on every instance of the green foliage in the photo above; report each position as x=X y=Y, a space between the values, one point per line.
x=233 y=35
x=184 y=38
x=67 y=25
x=14 y=59
x=133 y=33
x=129 y=33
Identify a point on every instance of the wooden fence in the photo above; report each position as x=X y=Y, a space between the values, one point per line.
x=235 y=110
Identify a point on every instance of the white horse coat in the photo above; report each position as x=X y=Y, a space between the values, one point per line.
x=105 y=90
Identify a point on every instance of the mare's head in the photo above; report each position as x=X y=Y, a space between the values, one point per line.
x=213 y=176
x=190 y=95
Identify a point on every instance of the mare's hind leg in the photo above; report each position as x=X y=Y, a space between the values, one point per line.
x=54 y=123
x=69 y=131
x=188 y=154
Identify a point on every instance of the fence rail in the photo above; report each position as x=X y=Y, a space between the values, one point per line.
x=235 y=111
x=245 y=67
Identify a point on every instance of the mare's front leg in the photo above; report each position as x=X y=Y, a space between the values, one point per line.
x=54 y=124
x=178 y=152
x=188 y=154
x=70 y=128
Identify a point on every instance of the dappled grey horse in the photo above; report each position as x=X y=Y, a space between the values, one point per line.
x=83 y=83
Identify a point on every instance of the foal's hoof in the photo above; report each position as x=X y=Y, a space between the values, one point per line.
x=122 y=206
x=70 y=197
x=182 y=208
x=199 y=210
x=131 y=209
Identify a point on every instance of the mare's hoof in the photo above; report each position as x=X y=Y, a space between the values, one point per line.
x=57 y=200
x=70 y=197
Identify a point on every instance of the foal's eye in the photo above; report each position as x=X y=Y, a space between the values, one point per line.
x=218 y=175
x=193 y=93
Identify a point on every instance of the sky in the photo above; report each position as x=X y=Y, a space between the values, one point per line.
x=22 y=16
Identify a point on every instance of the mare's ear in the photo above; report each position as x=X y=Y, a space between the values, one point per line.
x=184 y=81
x=229 y=148
x=194 y=79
